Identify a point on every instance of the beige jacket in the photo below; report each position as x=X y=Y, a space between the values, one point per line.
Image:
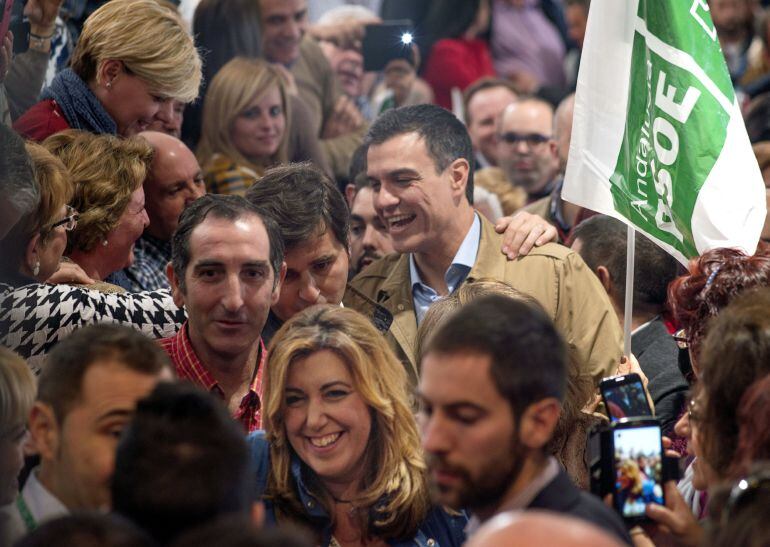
x=554 y=275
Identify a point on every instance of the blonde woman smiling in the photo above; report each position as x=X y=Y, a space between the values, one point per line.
x=245 y=116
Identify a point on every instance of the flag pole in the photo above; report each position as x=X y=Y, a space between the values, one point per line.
x=629 y=305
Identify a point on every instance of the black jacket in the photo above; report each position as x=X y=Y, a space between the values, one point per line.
x=562 y=496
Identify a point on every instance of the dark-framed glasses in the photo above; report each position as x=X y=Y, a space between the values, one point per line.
x=69 y=222
x=533 y=140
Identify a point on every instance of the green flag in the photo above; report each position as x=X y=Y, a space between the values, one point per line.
x=658 y=140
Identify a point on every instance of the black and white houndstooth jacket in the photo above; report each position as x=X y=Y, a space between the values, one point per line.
x=34 y=317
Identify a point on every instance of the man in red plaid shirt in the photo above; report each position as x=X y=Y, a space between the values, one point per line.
x=226 y=270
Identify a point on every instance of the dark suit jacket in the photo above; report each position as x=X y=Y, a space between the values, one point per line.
x=562 y=496
x=657 y=354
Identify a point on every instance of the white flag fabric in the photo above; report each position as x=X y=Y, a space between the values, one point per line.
x=658 y=140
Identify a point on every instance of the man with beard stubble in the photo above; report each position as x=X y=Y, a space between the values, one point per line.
x=493 y=379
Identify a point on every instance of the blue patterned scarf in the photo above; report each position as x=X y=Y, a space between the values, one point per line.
x=81 y=108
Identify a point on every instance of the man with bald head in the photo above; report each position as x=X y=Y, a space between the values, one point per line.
x=174 y=182
x=526 y=148
x=524 y=528
x=562 y=214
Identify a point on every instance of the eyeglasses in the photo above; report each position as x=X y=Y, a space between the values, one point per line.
x=744 y=491
x=69 y=222
x=680 y=337
x=533 y=140
x=693 y=412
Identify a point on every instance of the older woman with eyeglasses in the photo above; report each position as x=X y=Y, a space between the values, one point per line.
x=35 y=315
x=34 y=247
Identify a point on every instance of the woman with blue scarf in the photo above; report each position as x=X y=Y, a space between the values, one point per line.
x=133 y=59
x=341 y=454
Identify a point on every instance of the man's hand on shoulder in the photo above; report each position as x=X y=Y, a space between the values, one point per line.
x=522 y=232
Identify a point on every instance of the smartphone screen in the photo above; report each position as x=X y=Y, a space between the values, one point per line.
x=638 y=469
x=624 y=397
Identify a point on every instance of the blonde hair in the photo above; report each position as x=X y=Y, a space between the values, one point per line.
x=395 y=495
x=105 y=171
x=55 y=185
x=151 y=42
x=17 y=391
x=237 y=84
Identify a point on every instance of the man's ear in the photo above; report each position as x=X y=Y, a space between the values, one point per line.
x=605 y=279
x=459 y=171
x=538 y=423
x=44 y=430
x=176 y=290
x=279 y=283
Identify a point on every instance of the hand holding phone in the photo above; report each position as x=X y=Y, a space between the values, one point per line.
x=638 y=468
x=624 y=396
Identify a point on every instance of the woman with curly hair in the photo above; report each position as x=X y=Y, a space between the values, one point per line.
x=341 y=454
x=107 y=173
x=713 y=280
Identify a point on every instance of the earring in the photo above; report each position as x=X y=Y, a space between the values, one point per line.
x=36 y=269
x=109 y=85
x=104 y=242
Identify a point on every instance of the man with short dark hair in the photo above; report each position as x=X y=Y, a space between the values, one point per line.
x=484 y=102
x=369 y=239
x=419 y=164
x=601 y=241
x=493 y=379
x=182 y=462
x=86 y=396
x=175 y=180
x=313 y=221
x=226 y=270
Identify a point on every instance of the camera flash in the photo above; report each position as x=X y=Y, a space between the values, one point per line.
x=406 y=38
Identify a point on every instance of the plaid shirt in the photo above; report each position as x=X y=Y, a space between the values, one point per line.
x=148 y=272
x=189 y=367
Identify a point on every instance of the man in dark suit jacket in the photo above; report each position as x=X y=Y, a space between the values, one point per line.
x=601 y=242
x=493 y=378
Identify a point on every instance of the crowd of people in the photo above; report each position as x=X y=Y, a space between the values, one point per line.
x=254 y=294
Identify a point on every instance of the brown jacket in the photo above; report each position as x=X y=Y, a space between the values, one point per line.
x=554 y=275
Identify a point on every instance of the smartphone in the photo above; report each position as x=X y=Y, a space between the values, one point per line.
x=386 y=41
x=624 y=397
x=638 y=467
x=5 y=17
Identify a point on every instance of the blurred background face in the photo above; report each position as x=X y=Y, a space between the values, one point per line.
x=348 y=66
x=484 y=111
x=258 y=129
x=577 y=18
x=730 y=17
x=284 y=23
x=369 y=239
